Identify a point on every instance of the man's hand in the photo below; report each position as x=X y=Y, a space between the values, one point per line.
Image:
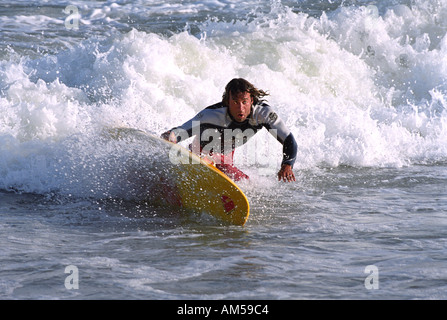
x=170 y=136
x=286 y=174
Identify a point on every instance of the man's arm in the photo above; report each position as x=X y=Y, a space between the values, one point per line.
x=290 y=149
x=179 y=133
x=272 y=121
x=212 y=116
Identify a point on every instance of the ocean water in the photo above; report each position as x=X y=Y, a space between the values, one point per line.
x=361 y=84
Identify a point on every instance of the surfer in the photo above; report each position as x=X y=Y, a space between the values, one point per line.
x=224 y=126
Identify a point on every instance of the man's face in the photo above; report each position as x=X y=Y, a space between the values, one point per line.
x=240 y=106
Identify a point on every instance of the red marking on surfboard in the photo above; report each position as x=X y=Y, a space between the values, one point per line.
x=228 y=204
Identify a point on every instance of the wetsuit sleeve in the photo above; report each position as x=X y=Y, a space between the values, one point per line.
x=188 y=129
x=279 y=130
x=290 y=149
x=184 y=131
x=211 y=117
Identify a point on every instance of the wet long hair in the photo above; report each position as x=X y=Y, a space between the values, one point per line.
x=239 y=85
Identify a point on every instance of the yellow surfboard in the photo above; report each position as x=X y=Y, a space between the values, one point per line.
x=193 y=183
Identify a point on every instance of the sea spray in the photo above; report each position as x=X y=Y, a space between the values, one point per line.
x=357 y=86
